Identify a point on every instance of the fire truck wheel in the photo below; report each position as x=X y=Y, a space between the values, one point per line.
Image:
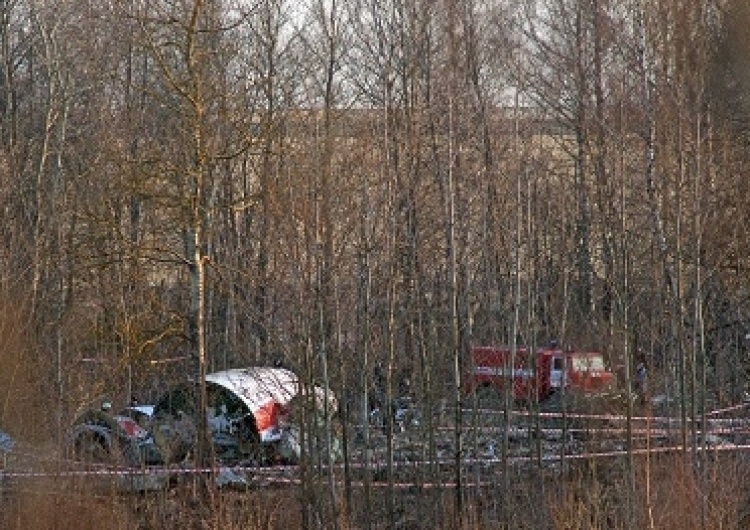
x=552 y=403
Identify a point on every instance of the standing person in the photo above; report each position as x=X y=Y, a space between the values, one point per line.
x=641 y=381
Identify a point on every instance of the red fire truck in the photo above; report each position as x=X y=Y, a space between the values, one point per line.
x=538 y=374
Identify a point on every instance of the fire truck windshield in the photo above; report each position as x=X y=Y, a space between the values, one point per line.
x=592 y=363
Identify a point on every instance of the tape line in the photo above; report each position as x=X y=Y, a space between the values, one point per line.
x=272 y=476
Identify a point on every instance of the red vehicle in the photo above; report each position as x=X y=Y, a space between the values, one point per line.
x=536 y=374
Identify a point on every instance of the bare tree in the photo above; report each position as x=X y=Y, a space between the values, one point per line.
x=188 y=48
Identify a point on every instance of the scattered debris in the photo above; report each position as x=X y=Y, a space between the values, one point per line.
x=254 y=415
x=229 y=478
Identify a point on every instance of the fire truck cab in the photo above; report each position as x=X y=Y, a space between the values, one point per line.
x=537 y=374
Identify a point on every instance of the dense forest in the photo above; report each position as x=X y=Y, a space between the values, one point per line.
x=368 y=187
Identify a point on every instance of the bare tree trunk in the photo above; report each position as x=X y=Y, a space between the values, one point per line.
x=450 y=235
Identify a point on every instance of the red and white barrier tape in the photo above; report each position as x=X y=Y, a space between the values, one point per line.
x=618 y=417
x=269 y=477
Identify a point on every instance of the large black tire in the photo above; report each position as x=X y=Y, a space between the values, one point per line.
x=93 y=447
x=97 y=438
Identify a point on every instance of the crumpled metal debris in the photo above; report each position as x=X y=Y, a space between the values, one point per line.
x=229 y=478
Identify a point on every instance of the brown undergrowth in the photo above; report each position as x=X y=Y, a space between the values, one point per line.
x=665 y=493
